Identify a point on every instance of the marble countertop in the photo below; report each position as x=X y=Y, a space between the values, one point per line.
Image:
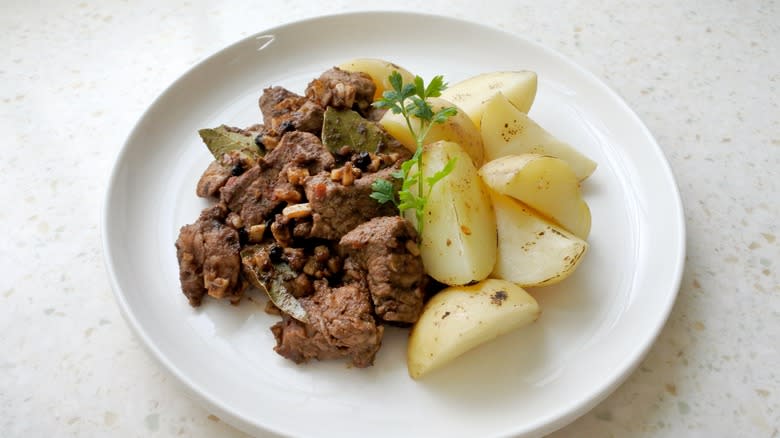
x=76 y=75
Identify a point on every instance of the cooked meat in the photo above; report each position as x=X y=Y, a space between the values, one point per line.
x=251 y=194
x=342 y=89
x=375 y=114
x=300 y=286
x=214 y=177
x=302 y=150
x=258 y=192
x=384 y=252
x=231 y=163
x=338 y=208
x=305 y=265
x=285 y=111
x=260 y=263
x=209 y=261
x=340 y=326
x=296 y=218
x=281 y=229
x=249 y=131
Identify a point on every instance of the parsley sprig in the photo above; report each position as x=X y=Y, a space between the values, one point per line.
x=411 y=101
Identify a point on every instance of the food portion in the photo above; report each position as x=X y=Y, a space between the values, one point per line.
x=460 y=318
x=209 y=261
x=546 y=184
x=508 y=131
x=340 y=325
x=284 y=201
x=459 y=234
x=379 y=70
x=458 y=128
x=383 y=255
x=472 y=94
x=531 y=250
x=375 y=199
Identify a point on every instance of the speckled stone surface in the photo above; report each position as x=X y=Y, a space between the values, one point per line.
x=75 y=76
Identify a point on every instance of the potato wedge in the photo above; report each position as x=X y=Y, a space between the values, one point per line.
x=459 y=233
x=379 y=70
x=458 y=129
x=472 y=94
x=532 y=251
x=461 y=318
x=508 y=131
x=543 y=183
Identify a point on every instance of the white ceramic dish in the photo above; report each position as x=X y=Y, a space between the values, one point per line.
x=595 y=328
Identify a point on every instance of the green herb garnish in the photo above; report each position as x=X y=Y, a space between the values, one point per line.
x=411 y=100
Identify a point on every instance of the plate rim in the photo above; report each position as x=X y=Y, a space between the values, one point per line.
x=235 y=418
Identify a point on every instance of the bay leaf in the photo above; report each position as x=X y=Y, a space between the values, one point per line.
x=348 y=128
x=272 y=283
x=223 y=139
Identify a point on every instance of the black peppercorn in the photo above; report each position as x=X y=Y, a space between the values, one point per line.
x=237 y=170
x=275 y=253
x=243 y=236
x=362 y=160
x=259 y=141
x=286 y=126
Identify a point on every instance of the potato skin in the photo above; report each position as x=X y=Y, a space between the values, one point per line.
x=459 y=233
x=461 y=318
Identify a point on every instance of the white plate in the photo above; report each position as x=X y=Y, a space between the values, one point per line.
x=595 y=327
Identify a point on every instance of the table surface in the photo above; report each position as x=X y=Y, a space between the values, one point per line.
x=75 y=77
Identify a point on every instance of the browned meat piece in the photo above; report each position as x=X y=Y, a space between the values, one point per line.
x=251 y=194
x=209 y=260
x=231 y=163
x=384 y=253
x=299 y=155
x=258 y=192
x=285 y=111
x=340 y=326
x=214 y=177
x=342 y=89
x=338 y=208
x=375 y=114
x=302 y=150
x=281 y=230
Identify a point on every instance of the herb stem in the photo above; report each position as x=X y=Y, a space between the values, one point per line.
x=418 y=107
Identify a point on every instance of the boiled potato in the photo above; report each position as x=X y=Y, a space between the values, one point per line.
x=458 y=128
x=460 y=318
x=459 y=232
x=472 y=94
x=532 y=251
x=543 y=183
x=379 y=70
x=508 y=131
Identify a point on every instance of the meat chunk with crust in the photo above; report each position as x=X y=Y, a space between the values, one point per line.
x=261 y=190
x=251 y=195
x=214 y=178
x=384 y=253
x=303 y=150
x=209 y=260
x=285 y=111
x=340 y=326
x=338 y=208
x=342 y=89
